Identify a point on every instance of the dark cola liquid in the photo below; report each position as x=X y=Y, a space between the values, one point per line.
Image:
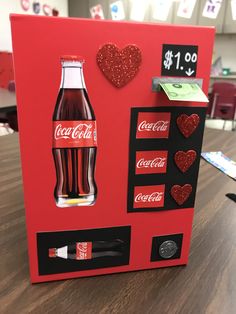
x=100 y=249
x=75 y=185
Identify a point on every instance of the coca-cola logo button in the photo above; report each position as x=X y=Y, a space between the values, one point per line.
x=149 y=196
x=153 y=125
x=148 y=162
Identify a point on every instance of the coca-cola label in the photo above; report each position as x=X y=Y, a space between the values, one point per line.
x=152 y=161
x=68 y=134
x=83 y=250
x=149 y=196
x=153 y=125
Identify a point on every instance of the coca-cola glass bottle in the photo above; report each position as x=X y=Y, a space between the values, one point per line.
x=74 y=138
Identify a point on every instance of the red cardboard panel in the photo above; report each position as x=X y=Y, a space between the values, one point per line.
x=6 y=69
x=38 y=44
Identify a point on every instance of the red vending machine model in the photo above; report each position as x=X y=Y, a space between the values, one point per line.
x=111 y=120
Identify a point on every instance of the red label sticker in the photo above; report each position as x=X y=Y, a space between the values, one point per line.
x=69 y=134
x=153 y=125
x=149 y=196
x=152 y=161
x=83 y=250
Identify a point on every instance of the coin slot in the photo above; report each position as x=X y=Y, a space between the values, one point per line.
x=166 y=247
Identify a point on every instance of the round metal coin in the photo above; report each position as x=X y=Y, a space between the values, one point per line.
x=168 y=249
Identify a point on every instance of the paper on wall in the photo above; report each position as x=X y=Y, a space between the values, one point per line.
x=212 y=8
x=138 y=10
x=186 y=8
x=117 y=11
x=233 y=9
x=162 y=9
x=97 y=12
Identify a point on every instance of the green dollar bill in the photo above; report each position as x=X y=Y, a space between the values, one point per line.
x=184 y=92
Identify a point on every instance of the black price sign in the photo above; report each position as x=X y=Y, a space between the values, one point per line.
x=179 y=60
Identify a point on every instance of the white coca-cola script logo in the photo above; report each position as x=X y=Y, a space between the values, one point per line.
x=154 y=197
x=82 y=130
x=161 y=126
x=158 y=162
x=82 y=246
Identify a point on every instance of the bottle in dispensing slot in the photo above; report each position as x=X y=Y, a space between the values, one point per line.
x=74 y=138
x=88 y=250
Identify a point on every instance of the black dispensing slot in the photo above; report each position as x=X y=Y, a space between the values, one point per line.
x=70 y=251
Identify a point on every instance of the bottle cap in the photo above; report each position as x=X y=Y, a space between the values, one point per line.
x=72 y=58
x=52 y=252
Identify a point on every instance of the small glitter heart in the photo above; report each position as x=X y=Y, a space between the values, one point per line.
x=187 y=124
x=119 y=65
x=181 y=193
x=184 y=160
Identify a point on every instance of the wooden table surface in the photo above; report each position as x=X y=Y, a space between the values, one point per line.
x=7 y=100
x=206 y=285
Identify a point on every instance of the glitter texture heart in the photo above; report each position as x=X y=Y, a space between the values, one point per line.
x=119 y=65
x=181 y=193
x=184 y=160
x=188 y=124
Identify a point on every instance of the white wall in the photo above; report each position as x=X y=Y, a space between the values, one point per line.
x=14 y=6
x=225 y=46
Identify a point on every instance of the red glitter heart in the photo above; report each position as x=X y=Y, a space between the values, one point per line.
x=185 y=159
x=181 y=193
x=188 y=124
x=119 y=65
